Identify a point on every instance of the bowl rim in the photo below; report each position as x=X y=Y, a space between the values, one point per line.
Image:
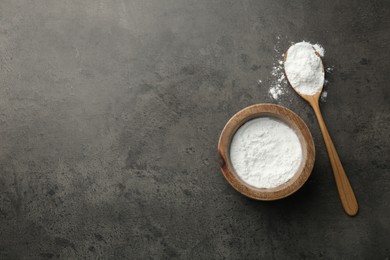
x=288 y=117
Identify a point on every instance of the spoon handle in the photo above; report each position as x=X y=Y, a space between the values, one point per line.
x=347 y=197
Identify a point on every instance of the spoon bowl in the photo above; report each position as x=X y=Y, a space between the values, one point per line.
x=308 y=98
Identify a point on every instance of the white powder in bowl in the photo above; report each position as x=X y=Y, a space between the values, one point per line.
x=265 y=152
x=304 y=68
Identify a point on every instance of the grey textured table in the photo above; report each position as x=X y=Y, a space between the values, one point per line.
x=110 y=113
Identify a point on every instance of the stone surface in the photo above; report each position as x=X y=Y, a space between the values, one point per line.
x=110 y=113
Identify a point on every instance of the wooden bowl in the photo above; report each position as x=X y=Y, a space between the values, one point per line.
x=286 y=116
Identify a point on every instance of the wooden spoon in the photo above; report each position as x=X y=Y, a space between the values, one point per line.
x=347 y=196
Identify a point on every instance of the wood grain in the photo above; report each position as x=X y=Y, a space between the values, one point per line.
x=347 y=196
x=288 y=117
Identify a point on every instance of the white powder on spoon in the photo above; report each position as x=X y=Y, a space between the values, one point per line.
x=265 y=152
x=304 y=68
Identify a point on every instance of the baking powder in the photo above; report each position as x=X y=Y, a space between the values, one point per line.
x=304 y=68
x=265 y=152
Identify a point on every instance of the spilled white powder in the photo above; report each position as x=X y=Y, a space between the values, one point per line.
x=324 y=95
x=265 y=152
x=329 y=69
x=279 y=82
x=304 y=68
